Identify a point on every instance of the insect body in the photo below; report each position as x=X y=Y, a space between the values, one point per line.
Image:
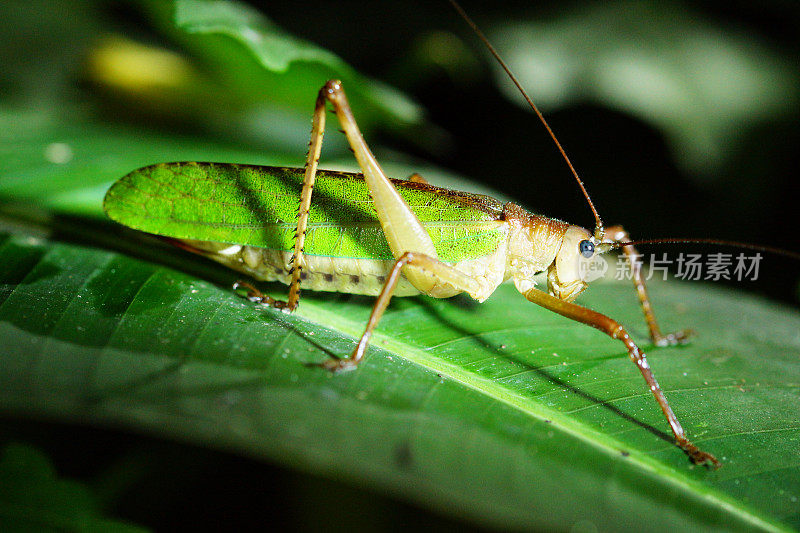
x=345 y=248
x=367 y=234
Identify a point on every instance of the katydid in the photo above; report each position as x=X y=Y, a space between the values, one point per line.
x=367 y=234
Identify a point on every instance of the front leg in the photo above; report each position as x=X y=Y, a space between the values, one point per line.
x=614 y=329
x=617 y=235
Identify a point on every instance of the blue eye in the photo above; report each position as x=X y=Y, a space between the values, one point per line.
x=586 y=248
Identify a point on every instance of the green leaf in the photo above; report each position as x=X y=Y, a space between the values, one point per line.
x=270 y=70
x=495 y=411
x=34 y=498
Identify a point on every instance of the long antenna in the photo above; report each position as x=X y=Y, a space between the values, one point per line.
x=599 y=229
x=746 y=245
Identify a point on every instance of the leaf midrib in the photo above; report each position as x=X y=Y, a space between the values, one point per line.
x=492 y=389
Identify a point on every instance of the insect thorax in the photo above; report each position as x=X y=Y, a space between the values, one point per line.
x=533 y=244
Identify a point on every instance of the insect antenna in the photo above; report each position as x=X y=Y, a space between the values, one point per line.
x=721 y=242
x=599 y=229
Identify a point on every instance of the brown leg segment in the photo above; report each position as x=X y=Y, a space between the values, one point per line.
x=403 y=230
x=617 y=234
x=256 y=296
x=314 y=149
x=614 y=330
x=298 y=258
x=443 y=273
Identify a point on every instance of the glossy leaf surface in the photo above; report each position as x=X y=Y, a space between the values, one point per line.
x=497 y=410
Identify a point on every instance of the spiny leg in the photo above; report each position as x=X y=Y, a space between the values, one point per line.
x=617 y=234
x=297 y=260
x=314 y=148
x=401 y=227
x=442 y=272
x=615 y=330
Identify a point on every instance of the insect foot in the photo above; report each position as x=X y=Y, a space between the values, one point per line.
x=696 y=455
x=252 y=294
x=338 y=365
x=671 y=339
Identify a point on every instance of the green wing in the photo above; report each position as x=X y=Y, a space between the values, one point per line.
x=257 y=206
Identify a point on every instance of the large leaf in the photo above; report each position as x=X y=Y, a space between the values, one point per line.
x=501 y=411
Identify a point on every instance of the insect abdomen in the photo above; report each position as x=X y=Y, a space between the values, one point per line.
x=337 y=274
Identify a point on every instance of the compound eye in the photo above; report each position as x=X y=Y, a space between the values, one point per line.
x=587 y=248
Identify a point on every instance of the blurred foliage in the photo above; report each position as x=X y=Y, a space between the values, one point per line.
x=34 y=498
x=703 y=84
x=221 y=67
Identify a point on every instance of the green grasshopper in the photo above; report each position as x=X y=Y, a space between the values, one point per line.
x=367 y=234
